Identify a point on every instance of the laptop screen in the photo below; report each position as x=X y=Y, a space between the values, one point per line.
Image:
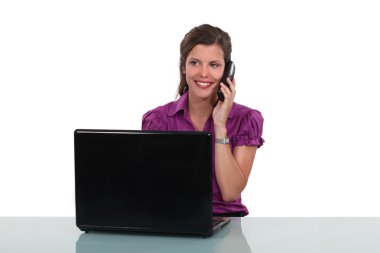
x=143 y=180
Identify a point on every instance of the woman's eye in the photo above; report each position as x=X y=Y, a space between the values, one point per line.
x=194 y=63
x=214 y=65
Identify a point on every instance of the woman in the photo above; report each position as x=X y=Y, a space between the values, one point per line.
x=236 y=129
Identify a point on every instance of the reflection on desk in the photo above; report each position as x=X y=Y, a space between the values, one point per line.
x=229 y=239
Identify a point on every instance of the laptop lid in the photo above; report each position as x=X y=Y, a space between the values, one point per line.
x=143 y=181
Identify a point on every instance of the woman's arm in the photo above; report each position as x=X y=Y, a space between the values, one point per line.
x=233 y=169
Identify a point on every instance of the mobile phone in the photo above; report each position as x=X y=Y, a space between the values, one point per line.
x=229 y=72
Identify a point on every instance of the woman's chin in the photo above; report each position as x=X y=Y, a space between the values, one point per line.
x=210 y=95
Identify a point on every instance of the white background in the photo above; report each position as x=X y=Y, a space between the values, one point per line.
x=310 y=67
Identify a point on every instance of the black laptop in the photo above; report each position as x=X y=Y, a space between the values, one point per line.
x=146 y=181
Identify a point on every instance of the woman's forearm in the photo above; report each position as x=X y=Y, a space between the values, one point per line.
x=230 y=177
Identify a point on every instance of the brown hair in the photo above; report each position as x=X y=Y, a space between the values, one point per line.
x=206 y=35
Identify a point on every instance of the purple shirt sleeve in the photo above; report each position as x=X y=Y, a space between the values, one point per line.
x=154 y=120
x=251 y=130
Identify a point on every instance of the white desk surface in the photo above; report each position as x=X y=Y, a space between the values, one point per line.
x=259 y=235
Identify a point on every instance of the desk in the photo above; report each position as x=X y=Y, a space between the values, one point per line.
x=359 y=235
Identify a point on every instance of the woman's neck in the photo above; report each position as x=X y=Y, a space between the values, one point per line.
x=200 y=108
x=200 y=111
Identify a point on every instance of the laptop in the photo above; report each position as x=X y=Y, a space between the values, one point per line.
x=144 y=181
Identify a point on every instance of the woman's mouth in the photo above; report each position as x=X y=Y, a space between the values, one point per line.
x=203 y=85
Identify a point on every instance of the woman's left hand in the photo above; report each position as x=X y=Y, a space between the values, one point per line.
x=222 y=109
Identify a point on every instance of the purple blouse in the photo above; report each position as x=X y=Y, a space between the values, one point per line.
x=244 y=127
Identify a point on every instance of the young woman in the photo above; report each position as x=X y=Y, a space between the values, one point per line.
x=236 y=129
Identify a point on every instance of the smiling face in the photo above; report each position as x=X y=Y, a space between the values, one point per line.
x=203 y=69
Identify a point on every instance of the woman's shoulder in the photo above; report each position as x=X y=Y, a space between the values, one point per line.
x=249 y=123
x=156 y=119
x=241 y=111
x=160 y=111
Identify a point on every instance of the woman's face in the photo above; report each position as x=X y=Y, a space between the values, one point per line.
x=203 y=70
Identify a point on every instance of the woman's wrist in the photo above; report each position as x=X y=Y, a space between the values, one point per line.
x=220 y=132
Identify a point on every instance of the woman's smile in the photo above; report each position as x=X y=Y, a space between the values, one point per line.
x=203 y=84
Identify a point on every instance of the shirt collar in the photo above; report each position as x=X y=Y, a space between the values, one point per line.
x=181 y=105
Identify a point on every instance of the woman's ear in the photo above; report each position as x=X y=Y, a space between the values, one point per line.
x=183 y=70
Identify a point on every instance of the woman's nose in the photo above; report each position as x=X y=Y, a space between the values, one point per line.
x=204 y=71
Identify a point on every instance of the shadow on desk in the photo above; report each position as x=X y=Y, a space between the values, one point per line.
x=229 y=239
